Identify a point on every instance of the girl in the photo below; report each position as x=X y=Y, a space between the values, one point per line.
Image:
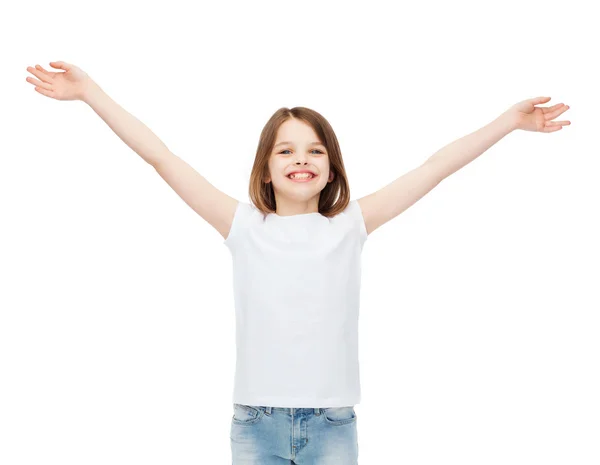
x=296 y=253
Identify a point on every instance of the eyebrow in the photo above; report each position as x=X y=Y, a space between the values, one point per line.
x=288 y=142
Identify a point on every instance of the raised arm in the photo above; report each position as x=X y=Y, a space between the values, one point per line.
x=216 y=207
x=387 y=203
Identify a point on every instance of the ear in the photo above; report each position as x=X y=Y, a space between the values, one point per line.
x=331 y=176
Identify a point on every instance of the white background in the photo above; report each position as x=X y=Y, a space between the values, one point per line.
x=479 y=314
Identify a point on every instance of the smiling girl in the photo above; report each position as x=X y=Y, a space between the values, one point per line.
x=296 y=255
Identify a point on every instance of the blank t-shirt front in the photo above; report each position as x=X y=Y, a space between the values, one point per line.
x=296 y=283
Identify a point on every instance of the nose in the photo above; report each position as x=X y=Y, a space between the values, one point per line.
x=300 y=157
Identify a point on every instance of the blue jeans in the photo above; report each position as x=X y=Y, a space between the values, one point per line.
x=302 y=436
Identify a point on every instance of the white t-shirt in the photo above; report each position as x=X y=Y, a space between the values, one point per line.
x=296 y=282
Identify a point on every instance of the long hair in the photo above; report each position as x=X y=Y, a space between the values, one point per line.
x=334 y=197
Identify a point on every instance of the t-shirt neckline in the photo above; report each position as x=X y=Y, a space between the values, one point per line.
x=285 y=217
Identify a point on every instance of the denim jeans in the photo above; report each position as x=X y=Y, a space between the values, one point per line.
x=302 y=436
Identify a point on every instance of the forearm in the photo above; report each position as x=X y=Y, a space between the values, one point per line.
x=459 y=153
x=129 y=129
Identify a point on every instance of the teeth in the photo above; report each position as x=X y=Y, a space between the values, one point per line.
x=300 y=176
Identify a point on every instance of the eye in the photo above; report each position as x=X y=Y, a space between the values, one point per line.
x=287 y=150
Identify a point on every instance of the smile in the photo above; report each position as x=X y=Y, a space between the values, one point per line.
x=303 y=178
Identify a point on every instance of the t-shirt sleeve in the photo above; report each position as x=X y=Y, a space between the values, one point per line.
x=358 y=220
x=239 y=223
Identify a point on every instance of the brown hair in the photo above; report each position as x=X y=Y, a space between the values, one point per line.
x=334 y=197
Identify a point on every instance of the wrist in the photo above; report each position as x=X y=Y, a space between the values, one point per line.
x=89 y=90
x=508 y=121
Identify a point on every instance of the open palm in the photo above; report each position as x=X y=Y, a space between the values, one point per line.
x=68 y=84
x=528 y=117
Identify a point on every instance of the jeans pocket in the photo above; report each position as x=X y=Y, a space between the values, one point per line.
x=246 y=414
x=339 y=415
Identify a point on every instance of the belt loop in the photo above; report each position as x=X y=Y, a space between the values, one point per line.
x=268 y=410
x=317 y=412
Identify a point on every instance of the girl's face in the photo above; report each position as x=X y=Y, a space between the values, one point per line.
x=298 y=148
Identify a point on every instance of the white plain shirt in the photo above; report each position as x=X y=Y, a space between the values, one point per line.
x=296 y=283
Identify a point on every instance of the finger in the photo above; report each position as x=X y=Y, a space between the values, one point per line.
x=47 y=93
x=555 y=113
x=37 y=83
x=551 y=128
x=558 y=123
x=538 y=100
x=39 y=74
x=553 y=107
x=42 y=70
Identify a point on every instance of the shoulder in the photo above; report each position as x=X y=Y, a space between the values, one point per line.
x=354 y=214
x=244 y=215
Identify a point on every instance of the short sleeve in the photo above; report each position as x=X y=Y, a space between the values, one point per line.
x=361 y=223
x=239 y=223
x=358 y=221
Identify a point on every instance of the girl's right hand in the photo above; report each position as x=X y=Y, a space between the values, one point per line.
x=68 y=85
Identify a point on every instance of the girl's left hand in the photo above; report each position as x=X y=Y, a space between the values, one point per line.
x=525 y=115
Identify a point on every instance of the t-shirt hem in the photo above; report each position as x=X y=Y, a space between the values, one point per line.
x=297 y=402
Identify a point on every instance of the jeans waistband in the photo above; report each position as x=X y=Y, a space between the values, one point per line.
x=293 y=410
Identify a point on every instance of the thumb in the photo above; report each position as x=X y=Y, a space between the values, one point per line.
x=60 y=65
x=538 y=100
